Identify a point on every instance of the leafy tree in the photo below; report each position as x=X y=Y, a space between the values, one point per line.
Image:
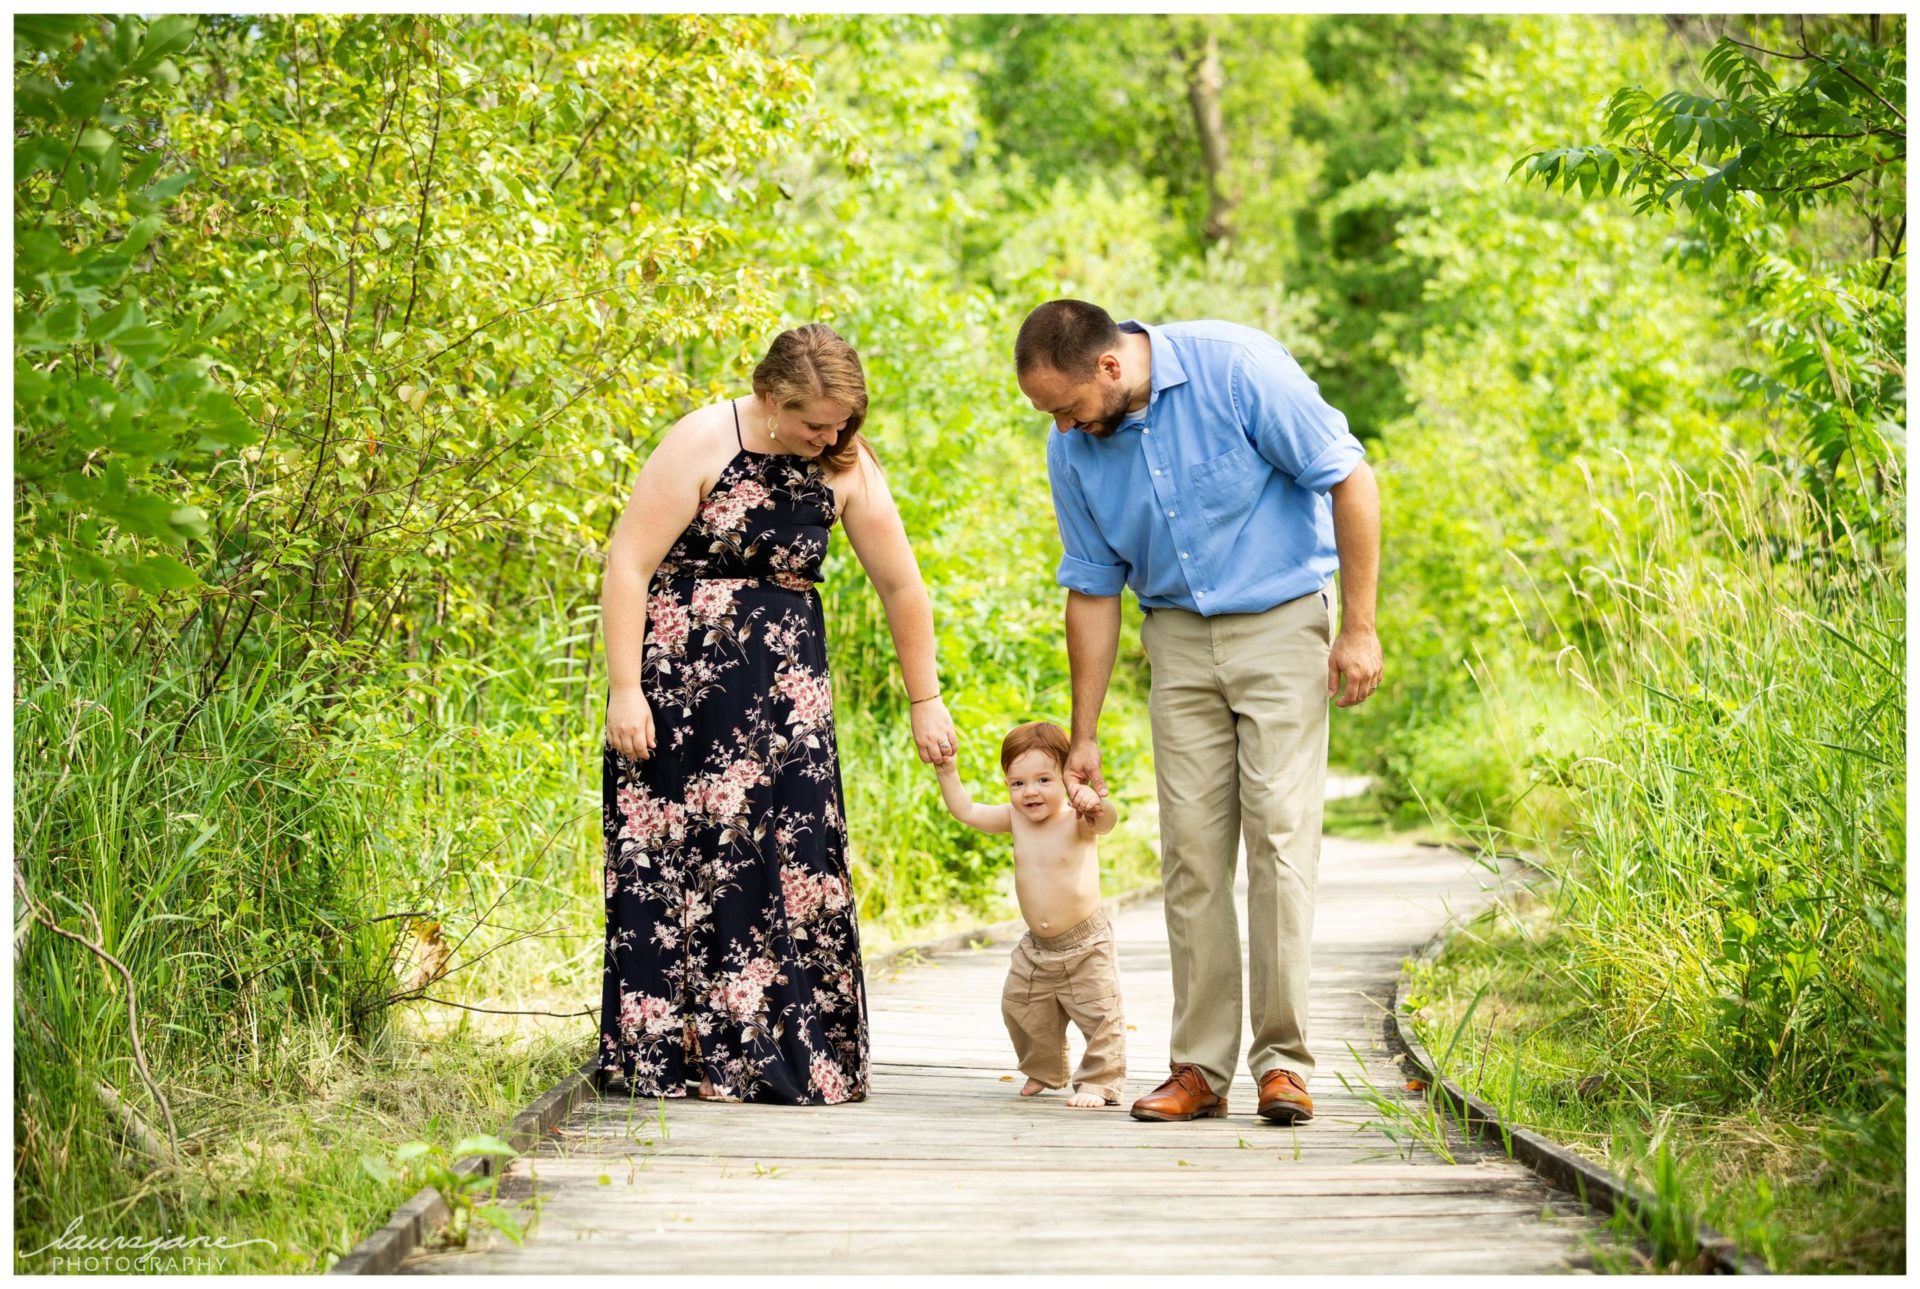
x=1793 y=168
x=113 y=387
x=1397 y=97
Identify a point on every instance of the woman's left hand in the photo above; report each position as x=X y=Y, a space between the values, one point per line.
x=933 y=731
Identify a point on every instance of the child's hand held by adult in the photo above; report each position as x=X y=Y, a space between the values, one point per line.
x=1085 y=801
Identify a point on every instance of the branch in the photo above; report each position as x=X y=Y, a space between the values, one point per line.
x=426 y=187
x=493 y=1011
x=585 y=139
x=1807 y=54
x=1893 y=256
x=1873 y=93
x=1771 y=53
x=1831 y=183
x=45 y=919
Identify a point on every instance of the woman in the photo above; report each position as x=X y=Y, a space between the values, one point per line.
x=733 y=956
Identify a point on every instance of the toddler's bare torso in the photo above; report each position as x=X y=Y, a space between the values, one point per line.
x=1056 y=871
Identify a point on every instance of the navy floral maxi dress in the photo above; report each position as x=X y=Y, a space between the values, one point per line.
x=732 y=947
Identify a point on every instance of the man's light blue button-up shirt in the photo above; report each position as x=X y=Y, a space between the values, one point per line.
x=1214 y=498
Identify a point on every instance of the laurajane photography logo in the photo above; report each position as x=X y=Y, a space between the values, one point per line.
x=75 y=1251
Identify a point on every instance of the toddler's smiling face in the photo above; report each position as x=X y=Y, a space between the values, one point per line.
x=1036 y=785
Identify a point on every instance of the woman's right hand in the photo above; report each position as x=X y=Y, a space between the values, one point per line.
x=630 y=724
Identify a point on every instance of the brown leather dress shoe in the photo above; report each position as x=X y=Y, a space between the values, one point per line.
x=1185 y=1095
x=1283 y=1097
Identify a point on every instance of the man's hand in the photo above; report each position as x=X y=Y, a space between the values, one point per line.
x=1083 y=766
x=1356 y=658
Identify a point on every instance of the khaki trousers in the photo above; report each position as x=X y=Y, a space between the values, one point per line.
x=1070 y=976
x=1238 y=707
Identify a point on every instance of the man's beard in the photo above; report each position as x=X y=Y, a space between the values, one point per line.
x=1111 y=415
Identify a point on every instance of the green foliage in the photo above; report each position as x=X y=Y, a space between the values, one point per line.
x=1750 y=166
x=1757 y=142
x=1388 y=99
x=112 y=384
x=421 y=1163
x=1079 y=98
x=1691 y=543
x=1750 y=803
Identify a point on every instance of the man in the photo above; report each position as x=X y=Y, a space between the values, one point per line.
x=1199 y=465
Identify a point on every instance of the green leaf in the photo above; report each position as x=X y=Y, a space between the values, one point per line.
x=94 y=143
x=50 y=33
x=189 y=519
x=143 y=344
x=159 y=194
x=483 y=1144
x=500 y=1219
x=141 y=233
x=83 y=98
x=35 y=154
x=167 y=36
x=159 y=573
x=114 y=321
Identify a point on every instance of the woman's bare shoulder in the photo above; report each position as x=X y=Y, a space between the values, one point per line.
x=701 y=439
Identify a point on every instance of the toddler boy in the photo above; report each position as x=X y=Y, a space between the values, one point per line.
x=1063 y=967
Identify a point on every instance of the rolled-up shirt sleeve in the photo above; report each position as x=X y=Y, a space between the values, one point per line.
x=1290 y=425
x=1087 y=563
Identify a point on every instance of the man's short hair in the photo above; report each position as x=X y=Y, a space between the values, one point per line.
x=1066 y=335
x=1042 y=735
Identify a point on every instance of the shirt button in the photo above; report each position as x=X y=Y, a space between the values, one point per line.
x=1172 y=513
x=1156 y=474
x=1183 y=554
x=1146 y=429
x=1201 y=594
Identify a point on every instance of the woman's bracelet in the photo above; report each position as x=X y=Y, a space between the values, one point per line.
x=928 y=699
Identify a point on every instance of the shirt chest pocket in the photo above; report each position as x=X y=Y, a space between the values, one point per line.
x=1225 y=487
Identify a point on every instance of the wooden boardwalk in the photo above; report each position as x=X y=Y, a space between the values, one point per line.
x=944 y=1170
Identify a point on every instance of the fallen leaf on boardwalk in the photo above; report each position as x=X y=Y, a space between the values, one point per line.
x=1006 y=1078
x=1416 y=1085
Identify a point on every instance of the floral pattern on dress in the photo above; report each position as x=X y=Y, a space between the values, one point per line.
x=733 y=949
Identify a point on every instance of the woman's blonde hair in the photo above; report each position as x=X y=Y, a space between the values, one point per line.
x=811 y=362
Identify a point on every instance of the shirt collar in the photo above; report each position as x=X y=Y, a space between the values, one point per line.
x=1167 y=371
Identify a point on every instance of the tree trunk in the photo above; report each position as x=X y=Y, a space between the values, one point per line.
x=1204 y=83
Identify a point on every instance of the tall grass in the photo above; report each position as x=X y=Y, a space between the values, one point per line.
x=1740 y=874
x=1723 y=969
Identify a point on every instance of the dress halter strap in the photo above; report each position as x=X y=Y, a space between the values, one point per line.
x=736 y=425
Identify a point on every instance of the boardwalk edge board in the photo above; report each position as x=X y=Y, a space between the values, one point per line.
x=415 y=1221
x=1556 y=1165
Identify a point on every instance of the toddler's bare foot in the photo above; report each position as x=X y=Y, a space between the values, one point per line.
x=1033 y=1088
x=1086 y=1100
x=708 y=1092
